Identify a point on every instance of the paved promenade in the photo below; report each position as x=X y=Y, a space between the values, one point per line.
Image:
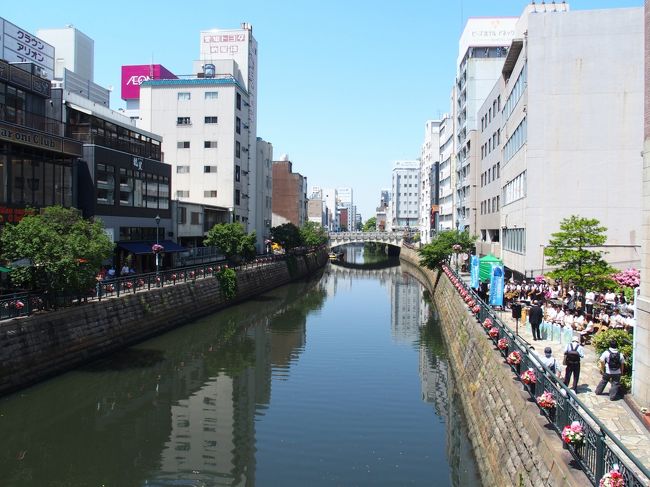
x=615 y=415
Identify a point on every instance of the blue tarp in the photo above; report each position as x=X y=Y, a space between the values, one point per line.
x=140 y=248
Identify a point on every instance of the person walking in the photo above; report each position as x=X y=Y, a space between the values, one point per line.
x=551 y=362
x=536 y=316
x=572 y=355
x=612 y=363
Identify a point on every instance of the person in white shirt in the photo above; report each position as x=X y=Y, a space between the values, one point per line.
x=568 y=320
x=551 y=362
x=590 y=297
x=559 y=318
x=610 y=297
x=579 y=323
x=550 y=313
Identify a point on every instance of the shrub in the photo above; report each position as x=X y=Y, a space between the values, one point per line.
x=228 y=282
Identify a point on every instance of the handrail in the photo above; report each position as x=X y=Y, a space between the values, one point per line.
x=25 y=303
x=594 y=463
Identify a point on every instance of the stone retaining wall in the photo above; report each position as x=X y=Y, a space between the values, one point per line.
x=45 y=344
x=512 y=443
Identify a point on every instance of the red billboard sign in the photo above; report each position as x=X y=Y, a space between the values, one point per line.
x=134 y=76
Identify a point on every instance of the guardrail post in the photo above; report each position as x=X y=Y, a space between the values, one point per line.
x=600 y=456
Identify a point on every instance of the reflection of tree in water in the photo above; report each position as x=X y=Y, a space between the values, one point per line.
x=295 y=315
x=431 y=338
x=232 y=351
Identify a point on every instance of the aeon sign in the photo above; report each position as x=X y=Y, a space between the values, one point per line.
x=134 y=76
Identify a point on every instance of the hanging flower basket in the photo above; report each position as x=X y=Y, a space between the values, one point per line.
x=528 y=377
x=546 y=401
x=573 y=434
x=502 y=344
x=613 y=478
x=514 y=358
x=19 y=305
x=476 y=309
x=494 y=332
x=157 y=248
x=487 y=323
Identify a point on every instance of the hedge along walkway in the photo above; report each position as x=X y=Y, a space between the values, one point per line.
x=615 y=415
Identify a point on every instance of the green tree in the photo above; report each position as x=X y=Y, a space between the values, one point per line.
x=441 y=247
x=232 y=240
x=571 y=251
x=65 y=250
x=287 y=235
x=370 y=225
x=313 y=234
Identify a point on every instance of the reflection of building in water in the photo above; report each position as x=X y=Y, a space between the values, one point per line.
x=337 y=275
x=405 y=307
x=434 y=373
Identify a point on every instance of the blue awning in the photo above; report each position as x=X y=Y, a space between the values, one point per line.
x=140 y=248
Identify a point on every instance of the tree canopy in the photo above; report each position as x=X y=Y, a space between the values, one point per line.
x=232 y=240
x=313 y=234
x=64 y=250
x=441 y=247
x=370 y=225
x=571 y=251
x=287 y=235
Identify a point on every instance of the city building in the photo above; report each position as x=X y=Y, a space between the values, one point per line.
x=429 y=158
x=404 y=201
x=641 y=365
x=38 y=160
x=263 y=185
x=488 y=226
x=345 y=200
x=204 y=124
x=316 y=208
x=330 y=198
x=289 y=194
x=132 y=77
x=570 y=137
x=483 y=46
x=446 y=172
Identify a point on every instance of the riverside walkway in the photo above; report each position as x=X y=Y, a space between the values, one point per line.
x=615 y=415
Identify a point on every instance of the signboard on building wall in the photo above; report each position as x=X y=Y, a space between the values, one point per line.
x=486 y=32
x=134 y=76
x=19 y=46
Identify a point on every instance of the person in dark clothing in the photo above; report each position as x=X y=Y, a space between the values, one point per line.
x=572 y=355
x=536 y=316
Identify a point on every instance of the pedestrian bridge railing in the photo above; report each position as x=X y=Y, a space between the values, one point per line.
x=601 y=451
x=341 y=238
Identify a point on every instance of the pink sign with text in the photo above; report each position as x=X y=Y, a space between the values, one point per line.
x=134 y=76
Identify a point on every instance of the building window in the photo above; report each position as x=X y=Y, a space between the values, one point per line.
x=184 y=96
x=183 y=144
x=237 y=173
x=237 y=197
x=237 y=150
x=514 y=240
x=183 y=121
x=211 y=95
x=210 y=144
x=210 y=194
x=238 y=125
x=182 y=215
x=515 y=189
x=105 y=184
x=183 y=193
x=182 y=169
x=211 y=119
x=195 y=218
x=238 y=101
x=209 y=169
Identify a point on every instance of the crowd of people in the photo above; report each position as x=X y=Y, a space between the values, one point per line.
x=583 y=312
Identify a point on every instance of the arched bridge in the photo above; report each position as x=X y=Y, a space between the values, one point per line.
x=343 y=238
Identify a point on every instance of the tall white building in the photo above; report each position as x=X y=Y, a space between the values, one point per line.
x=75 y=51
x=330 y=198
x=204 y=124
x=483 y=46
x=446 y=173
x=571 y=130
x=430 y=156
x=405 y=187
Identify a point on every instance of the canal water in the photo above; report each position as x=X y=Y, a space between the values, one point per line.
x=340 y=380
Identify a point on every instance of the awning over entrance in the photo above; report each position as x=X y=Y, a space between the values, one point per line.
x=140 y=248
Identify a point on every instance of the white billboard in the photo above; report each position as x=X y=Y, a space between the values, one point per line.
x=17 y=45
x=486 y=32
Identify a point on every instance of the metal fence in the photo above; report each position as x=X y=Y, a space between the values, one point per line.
x=26 y=303
x=601 y=450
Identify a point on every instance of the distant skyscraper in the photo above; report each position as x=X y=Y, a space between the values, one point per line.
x=404 y=205
x=429 y=180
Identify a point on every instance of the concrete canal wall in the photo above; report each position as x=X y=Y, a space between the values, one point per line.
x=510 y=440
x=42 y=345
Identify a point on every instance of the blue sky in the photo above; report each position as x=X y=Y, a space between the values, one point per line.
x=344 y=86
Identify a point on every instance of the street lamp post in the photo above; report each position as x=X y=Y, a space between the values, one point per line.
x=157 y=218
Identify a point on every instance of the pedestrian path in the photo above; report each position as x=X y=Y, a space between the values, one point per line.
x=615 y=415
